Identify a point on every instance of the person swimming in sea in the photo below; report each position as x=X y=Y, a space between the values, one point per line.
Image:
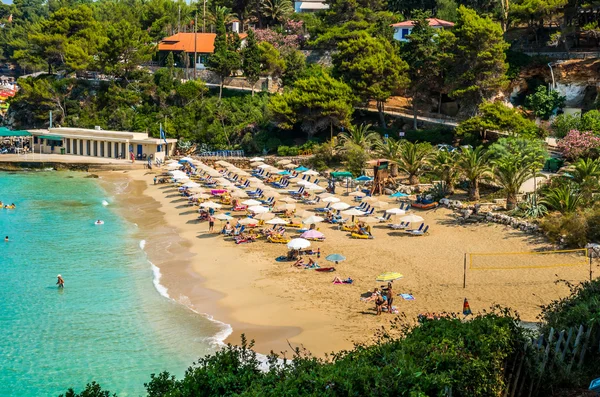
x=6 y=239
x=60 y=282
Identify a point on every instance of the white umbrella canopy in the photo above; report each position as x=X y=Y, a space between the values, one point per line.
x=310 y=172
x=241 y=172
x=258 y=209
x=357 y=194
x=264 y=166
x=395 y=211
x=223 y=163
x=173 y=166
x=256 y=164
x=340 y=206
x=283 y=162
x=176 y=172
x=325 y=195
x=314 y=187
x=171 y=161
x=353 y=212
x=257 y=159
x=254 y=180
x=313 y=219
x=411 y=218
x=303 y=182
x=370 y=199
x=265 y=216
x=191 y=184
x=223 y=217
x=287 y=206
x=277 y=221
x=202 y=196
x=211 y=204
x=380 y=204
x=224 y=182
x=180 y=178
x=289 y=166
x=186 y=159
x=368 y=219
x=272 y=193
x=287 y=200
x=306 y=214
x=331 y=199
x=239 y=194
x=251 y=202
x=248 y=221
x=298 y=244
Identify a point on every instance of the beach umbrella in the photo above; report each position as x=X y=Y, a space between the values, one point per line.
x=370 y=199
x=310 y=172
x=411 y=218
x=353 y=212
x=181 y=178
x=239 y=193
x=368 y=219
x=306 y=214
x=298 y=244
x=287 y=206
x=395 y=211
x=211 y=204
x=283 y=173
x=389 y=276
x=265 y=216
x=223 y=163
x=264 y=166
x=171 y=161
x=340 y=206
x=331 y=199
x=254 y=180
x=335 y=258
x=313 y=219
x=301 y=169
x=277 y=221
x=357 y=194
x=274 y=170
x=380 y=204
x=283 y=162
x=398 y=194
x=251 y=202
x=314 y=187
x=174 y=166
x=303 y=182
x=258 y=209
x=223 y=217
x=248 y=221
x=325 y=195
x=256 y=164
x=363 y=178
x=287 y=200
x=272 y=193
x=257 y=159
x=191 y=184
x=289 y=166
x=312 y=234
x=186 y=159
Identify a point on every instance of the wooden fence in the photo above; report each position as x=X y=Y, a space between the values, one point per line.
x=558 y=350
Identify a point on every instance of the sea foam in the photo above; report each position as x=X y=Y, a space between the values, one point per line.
x=104 y=202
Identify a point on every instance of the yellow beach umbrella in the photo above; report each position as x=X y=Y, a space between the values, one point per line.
x=389 y=276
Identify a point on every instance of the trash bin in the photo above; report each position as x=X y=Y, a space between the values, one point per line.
x=62 y=150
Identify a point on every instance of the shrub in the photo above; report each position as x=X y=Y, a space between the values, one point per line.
x=563 y=123
x=578 y=144
x=283 y=150
x=496 y=116
x=566 y=229
x=544 y=102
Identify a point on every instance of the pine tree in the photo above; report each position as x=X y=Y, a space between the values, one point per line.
x=251 y=60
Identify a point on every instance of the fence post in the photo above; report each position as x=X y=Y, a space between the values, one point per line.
x=545 y=359
x=518 y=374
x=576 y=347
x=585 y=345
x=568 y=343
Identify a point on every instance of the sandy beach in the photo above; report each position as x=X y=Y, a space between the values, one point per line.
x=282 y=307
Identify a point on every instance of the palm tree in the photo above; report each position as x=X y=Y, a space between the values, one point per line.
x=511 y=175
x=277 y=11
x=563 y=199
x=586 y=171
x=390 y=149
x=359 y=136
x=474 y=165
x=445 y=167
x=412 y=159
x=218 y=11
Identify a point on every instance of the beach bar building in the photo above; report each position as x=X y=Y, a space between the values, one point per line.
x=101 y=143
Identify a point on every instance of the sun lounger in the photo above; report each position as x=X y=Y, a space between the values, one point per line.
x=416 y=230
x=399 y=226
x=421 y=232
x=361 y=236
x=323 y=209
x=384 y=218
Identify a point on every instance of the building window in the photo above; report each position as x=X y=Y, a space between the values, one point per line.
x=88 y=147
x=158 y=147
x=405 y=32
x=68 y=146
x=95 y=148
x=35 y=139
x=74 y=146
x=123 y=152
x=109 y=148
x=101 y=149
x=81 y=147
x=116 y=150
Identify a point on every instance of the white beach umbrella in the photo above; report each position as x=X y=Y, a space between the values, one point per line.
x=239 y=194
x=258 y=209
x=248 y=221
x=174 y=166
x=254 y=180
x=287 y=200
x=256 y=164
x=171 y=161
x=353 y=212
x=287 y=206
x=177 y=172
x=242 y=172
x=191 y=184
x=340 y=206
x=380 y=204
x=272 y=193
x=298 y=244
x=357 y=194
x=325 y=195
x=222 y=162
x=313 y=187
x=313 y=219
x=265 y=216
x=395 y=211
x=331 y=199
x=181 y=178
x=211 y=204
x=411 y=218
x=306 y=214
x=310 y=172
x=277 y=221
x=289 y=166
x=223 y=217
x=368 y=219
x=202 y=196
x=186 y=159
x=303 y=182
x=370 y=199
x=264 y=166
x=251 y=202
x=257 y=159
x=283 y=162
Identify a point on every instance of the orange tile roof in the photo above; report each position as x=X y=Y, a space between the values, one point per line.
x=205 y=42
x=435 y=22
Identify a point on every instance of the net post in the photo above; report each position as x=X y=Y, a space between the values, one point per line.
x=465 y=272
x=590 y=255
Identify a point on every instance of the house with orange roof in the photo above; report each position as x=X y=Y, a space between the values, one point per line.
x=403 y=29
x=182 y=45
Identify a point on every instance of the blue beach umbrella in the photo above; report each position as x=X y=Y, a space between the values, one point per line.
x=284 y=173
x=301 y=169
x=363 y=178
x=336 y=258
x=399 y=194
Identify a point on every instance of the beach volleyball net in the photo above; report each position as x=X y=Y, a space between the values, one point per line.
x=527 y=260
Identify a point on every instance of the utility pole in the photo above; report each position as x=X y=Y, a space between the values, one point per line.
x=204 y=18
x=195 y=44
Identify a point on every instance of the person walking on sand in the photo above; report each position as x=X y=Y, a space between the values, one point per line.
x=211 y=223
x=390 y=297
x=60 y=282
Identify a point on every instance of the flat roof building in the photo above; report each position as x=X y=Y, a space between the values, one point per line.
x=101 y=143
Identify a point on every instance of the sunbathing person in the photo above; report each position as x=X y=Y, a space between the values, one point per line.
x=373 y=296
x=299 y=263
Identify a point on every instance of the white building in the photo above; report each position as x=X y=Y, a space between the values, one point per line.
x=310 y=6
x=101 y=143
x=403 y=29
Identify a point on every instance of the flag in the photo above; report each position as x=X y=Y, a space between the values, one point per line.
x=466 y=308
x=162 y=134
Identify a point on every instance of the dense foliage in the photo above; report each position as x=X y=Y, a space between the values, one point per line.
x=466 y=357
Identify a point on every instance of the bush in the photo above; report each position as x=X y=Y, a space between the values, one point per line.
x=283 y=150
x=569 y=230
x=544 y=103
x=578 y=144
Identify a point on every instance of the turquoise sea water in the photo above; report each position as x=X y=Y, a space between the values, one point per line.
x=109 y=324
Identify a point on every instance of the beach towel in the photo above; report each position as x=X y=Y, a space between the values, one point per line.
x=407 y=297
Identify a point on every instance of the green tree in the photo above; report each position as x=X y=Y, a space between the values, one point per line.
x=444 y=165
x=271 y=61
x=412 y=159
x=276 y=11
x=446 y=10
x=525 y=151
x=495 y=116
x=480 y=47
x=511 y=175
x=564 y=199
x=544 y=103
x=589 y=121
x=361 y=137
x=317 y=102
x=251 y=60
x=225 y=58
x=474 y=165
x=295 y=66
x=372 y=68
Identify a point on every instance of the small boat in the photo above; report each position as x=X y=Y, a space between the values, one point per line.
x=98 y=222
x=325 y=269
x=425 y=206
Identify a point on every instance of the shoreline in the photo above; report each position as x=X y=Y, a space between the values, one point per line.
x=282 y=308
